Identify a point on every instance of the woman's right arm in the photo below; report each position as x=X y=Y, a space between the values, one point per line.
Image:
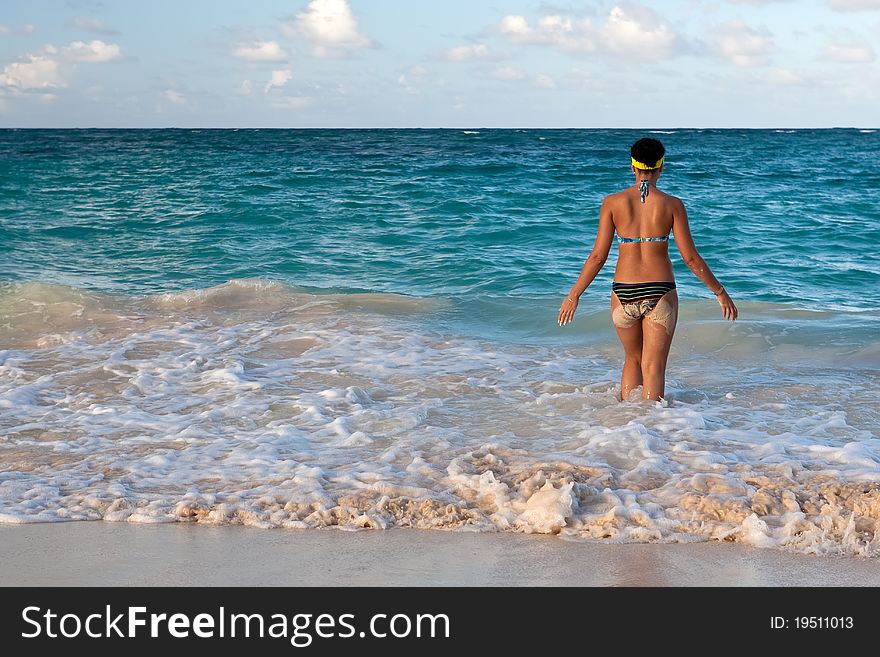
x=685 y=243
x=594 y=263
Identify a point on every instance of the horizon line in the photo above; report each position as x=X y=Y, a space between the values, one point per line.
x=466 y=127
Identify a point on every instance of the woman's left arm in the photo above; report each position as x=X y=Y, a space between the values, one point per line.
x=593 y=265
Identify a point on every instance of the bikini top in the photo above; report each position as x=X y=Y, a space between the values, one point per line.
x=627 y=240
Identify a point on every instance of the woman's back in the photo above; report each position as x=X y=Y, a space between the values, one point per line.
x=634 y=219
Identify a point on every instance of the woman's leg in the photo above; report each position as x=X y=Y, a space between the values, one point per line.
x=658 y=328
x=629 y=330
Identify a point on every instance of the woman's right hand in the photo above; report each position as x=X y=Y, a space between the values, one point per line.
x=728 y=308
x=566 y=311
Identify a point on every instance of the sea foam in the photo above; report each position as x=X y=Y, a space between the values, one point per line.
x=257 y=403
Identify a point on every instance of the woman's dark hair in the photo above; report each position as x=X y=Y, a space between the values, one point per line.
x=647 y=150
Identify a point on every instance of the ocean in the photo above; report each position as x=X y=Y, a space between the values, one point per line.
x=356 y=329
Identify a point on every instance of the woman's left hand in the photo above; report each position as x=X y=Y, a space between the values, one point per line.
x=566 y=311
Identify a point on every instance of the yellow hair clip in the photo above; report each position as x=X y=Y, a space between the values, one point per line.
x=642 y=165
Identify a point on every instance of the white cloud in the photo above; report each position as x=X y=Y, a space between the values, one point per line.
x=783 y=76
x=171 y=99
x=743 y=45
x=408 y=87
x=411 y=78
x=246 y=88
x=633 y=31
x=848 y=53
x=279 y=78
x=329 y=25
x=554 y=30
x=508 y=74
x=260 y=51
x=805 y=78
x=174 y=97
x=21 y=29
x=544 y=81
x=35 y=72
x=43 y=70
x=640 y=34
x=515 y=27
x=468 y=52
x=854 y=5
x=91 y=24
x=93 y=52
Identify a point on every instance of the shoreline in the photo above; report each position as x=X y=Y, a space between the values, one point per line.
x=182 y=554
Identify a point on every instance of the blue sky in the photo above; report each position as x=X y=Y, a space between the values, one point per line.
x=381 y=63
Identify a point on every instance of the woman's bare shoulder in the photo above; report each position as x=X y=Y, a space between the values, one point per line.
x=614 y=197
x=673 y=200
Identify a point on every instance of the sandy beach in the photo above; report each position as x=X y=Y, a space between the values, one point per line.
x=118 y=554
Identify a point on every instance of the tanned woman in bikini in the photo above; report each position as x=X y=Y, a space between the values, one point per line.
x=644 y=303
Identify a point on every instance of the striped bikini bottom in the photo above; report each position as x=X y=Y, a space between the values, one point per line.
x=638 y=299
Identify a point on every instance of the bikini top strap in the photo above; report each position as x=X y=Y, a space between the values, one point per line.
x=627 y=240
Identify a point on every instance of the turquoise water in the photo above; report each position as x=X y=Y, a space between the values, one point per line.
x=781 y=216
x=311 y=328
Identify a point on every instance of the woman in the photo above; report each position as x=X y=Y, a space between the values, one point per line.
x=644 y=303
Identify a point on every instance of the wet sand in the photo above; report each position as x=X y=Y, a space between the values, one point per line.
x=120 y=554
